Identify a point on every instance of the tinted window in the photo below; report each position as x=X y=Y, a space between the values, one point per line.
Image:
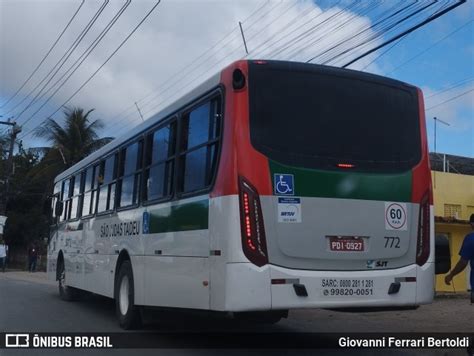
x=316 y=117
x=91 y=182
x=109 y=169
x=130 y=174
x=196 y=126
x=107 y=185
x=195 y=170
x=162 y=144
x=131 y=159
x=76 y=200
x=88 y=178
x=160 y=162
x=198 y=158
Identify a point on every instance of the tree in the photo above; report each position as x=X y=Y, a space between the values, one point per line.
x=35 y=169
x=72 y=142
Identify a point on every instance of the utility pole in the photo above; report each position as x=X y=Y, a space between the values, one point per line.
x=9 y=170
x=436 y=155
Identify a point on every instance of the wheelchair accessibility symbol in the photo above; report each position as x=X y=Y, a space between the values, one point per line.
x=283 y=184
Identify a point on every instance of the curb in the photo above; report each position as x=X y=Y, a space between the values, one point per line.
x=453 y=295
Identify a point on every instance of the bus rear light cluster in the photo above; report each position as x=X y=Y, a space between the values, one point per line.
x=423 y=240
x=253 y=230
x=345 y=165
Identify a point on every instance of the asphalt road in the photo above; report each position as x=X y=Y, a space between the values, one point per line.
x=29 y=304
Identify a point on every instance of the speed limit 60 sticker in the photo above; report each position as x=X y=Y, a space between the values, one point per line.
x=396 y=216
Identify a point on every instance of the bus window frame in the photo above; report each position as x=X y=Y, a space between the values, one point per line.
x=167 y=121
x=79 y=196
x=217 y=93
x=101 y=165
x=139 y=170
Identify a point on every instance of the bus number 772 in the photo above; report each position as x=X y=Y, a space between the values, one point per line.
x=392 y=242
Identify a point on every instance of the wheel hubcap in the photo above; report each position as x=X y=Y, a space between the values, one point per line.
x=123 y=295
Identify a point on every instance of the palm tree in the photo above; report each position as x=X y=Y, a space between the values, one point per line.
x=73 y=141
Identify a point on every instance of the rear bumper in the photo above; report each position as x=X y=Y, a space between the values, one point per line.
x=249 y=288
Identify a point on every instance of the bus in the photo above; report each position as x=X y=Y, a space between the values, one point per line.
x=272 y=186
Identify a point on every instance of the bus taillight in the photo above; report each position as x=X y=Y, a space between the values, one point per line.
x=253 y=230
x=423 y=241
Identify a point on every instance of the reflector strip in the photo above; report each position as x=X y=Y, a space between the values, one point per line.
x=405 y=279
x=285 y=281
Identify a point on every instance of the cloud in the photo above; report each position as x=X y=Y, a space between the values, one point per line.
x=167 y=44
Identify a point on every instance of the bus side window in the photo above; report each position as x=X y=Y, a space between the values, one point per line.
x=159 y=163
x=199 y=142
x=75 y=192
x=130 y=174
x=107 y=184
x=55 y=199
x=66 y=198
x=88 y=196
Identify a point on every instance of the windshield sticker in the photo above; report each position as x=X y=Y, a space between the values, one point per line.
x=396 y=216
x=289 y=210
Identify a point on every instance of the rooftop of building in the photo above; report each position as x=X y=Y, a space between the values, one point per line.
x=442 y=162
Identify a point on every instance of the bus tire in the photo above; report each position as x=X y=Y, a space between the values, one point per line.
x=65 y=292
x=128 y=314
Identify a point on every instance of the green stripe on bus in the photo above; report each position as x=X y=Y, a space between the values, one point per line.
x=183 y=217
x=347 y=185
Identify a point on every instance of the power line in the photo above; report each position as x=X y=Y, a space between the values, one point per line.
x=450 y=99
x=185 y=69
x=385 y=29
x=411 y=29
x=451 y=87
x=81 y=59
x=364 y=29
x=290 y=23
x=383 y=53
x=307 y=33
x=45 y=56
x=430 y=47
x=106 y=61
x=63 y=59
x=387 y=25
x=191 y=80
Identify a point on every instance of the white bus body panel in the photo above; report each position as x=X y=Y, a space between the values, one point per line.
x=177 y=278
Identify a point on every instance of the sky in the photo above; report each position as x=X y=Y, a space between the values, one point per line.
x=183 y=42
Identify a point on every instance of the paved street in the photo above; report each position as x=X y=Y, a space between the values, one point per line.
x=30 y=303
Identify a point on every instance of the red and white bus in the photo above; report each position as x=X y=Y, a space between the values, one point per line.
x=272 y=186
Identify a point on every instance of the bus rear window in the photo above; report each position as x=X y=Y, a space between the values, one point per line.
x=321 y=117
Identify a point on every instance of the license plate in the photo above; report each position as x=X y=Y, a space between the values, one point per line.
x=346 y=243
x=335 y=287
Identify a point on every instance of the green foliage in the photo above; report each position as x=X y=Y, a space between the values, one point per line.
x=36 y=168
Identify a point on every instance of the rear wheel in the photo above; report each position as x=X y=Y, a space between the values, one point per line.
x=127 y=312
x=65 y=292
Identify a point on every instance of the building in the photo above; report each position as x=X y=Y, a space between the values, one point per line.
x=453 y=191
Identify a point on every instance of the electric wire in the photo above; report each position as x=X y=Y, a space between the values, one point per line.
x=105 y=62
x=63 y=59
x=81 y=59
x=45 y=56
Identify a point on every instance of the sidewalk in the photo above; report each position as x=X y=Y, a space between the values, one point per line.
x=35 y=277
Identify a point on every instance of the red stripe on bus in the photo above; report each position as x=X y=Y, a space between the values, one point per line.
x=238 y=157
x=421 y=178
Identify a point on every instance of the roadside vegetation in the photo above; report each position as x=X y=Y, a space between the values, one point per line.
x=68 y=141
